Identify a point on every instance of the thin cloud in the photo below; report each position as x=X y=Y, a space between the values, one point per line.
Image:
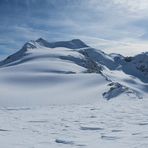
x=109 y=20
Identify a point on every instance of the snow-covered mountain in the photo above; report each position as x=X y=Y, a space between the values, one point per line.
x=54 y=95
x=70 y=72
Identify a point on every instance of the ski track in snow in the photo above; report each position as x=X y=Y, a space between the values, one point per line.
x=111 y=124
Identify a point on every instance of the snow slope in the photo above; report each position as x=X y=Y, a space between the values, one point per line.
x=42 y=76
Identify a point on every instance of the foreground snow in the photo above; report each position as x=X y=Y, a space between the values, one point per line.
x=111 y=124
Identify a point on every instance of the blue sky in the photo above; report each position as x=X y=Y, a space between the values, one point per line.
x=104 y=23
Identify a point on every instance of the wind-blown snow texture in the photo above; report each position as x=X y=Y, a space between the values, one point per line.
x=113 y=124
x=67 y=78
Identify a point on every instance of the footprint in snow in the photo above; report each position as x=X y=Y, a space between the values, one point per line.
x=144 y=123
x=68 y=142
x=109 y=137
x=38 y=121
x=3 y=130
x=92 y=116
x=91 y=128
x=116 y=130
x=18 y=109
x=62 y=141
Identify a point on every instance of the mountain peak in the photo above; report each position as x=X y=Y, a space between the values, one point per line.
x=72 y=44
x=27 y=45
x=41 y=40
x=77 y=41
